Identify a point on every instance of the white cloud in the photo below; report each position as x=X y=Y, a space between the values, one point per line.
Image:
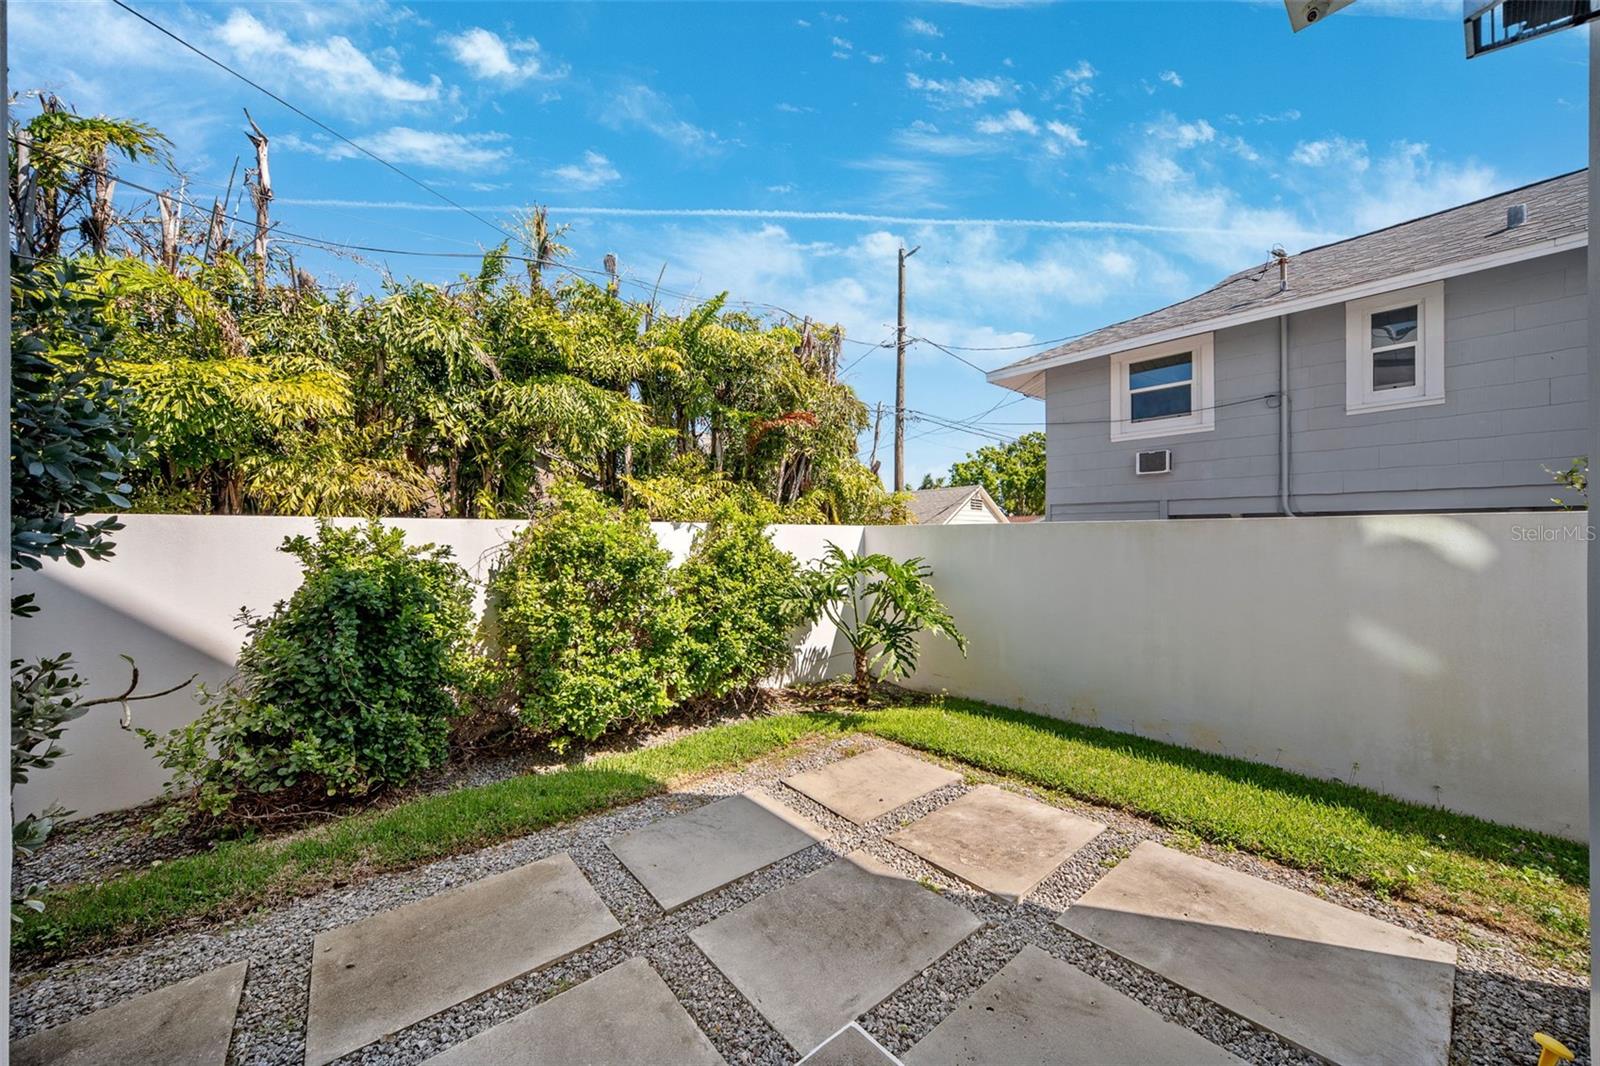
x=924 y=27
x=841 y=43
x=1176 y=185
x=429 y=148
x=802 y=23
x=781 y=190
x=961 y=92
x=1337 y=151
x=924 y=56
x=1409 y=183
x=872 y=57
x=331 y=66
x=594 y=171
x=793 y=109
x=641 y=107
x=1076 y=82
x=1172 y=78
x=1055 y=136
x=1013 y=121
x=926 y=137
x=490 y=57
x=1065 y=136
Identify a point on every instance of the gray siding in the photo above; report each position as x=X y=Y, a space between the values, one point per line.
x=1515 y=403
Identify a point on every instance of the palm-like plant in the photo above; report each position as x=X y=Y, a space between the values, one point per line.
x=879 y=604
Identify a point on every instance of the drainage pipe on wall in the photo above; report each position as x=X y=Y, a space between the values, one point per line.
x=1283 y=415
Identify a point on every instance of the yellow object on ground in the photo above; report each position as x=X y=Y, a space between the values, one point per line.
x=1551 y=1050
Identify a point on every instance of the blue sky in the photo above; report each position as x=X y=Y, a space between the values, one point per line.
x=1061 y=165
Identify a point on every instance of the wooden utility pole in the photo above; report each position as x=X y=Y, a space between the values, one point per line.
x=261 y=193
x=900 y=380
x=168 y=206
x=100 y=214
x=877 y=420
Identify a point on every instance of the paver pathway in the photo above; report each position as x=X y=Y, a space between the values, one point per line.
x=1340 y=984
x=850 y=1046
x=872 y=784
x=682 y=858
x=379 y=975
x=186 y=1024
x=627 y=1016
x=817 y=953
x=1040 y=1011
x=997 y=840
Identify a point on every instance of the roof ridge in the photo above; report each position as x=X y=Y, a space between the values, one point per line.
x=1436 y=214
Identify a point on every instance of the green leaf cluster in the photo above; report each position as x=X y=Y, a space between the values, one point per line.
x=1013 y=474
x=880 y=605
x=581 y=615
x=344 y=689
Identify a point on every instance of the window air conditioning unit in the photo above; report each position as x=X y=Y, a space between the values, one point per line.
x=1156 y=462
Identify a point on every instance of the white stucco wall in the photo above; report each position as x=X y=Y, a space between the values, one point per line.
x=1439 y=658
x=1434 y=657
x=169 y=597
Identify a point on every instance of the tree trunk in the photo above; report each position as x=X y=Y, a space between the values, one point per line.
x=863 y=675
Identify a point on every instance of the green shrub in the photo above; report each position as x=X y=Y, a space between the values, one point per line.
x=582 y=619
x=344 y=689
x=741 y=599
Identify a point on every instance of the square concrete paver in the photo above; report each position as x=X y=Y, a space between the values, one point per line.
x=627 y=1016
x=867 y=786
x=816 y=953
x=381 y=974
x=186 y=1024
x=1002 y=842
x=682 y=858
x=850 y=1046
x=1340 y=984
x=1040 y=1011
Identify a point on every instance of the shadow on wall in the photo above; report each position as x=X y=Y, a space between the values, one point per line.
x=105 y=766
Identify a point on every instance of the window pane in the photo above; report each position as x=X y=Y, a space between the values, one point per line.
x=1394 y=327
x=1395 y=368
x=1167 y=370
x=1160 y=403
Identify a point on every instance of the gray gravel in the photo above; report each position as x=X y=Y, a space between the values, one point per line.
x=1501 y=994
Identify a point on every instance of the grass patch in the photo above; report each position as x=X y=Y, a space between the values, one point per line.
x=1528 y=884
x=238 y=876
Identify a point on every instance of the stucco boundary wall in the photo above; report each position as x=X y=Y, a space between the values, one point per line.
x=1435 y=657
x=1438 y=658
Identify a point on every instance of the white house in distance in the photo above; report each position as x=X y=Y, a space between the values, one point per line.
x=1436 y=365
x=956 y=505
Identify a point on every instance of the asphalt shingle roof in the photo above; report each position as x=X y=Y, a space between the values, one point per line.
x=931 y=507
x=1557 y=207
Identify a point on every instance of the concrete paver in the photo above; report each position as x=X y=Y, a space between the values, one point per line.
x=626 y=1016
x=377 y=976
x=1340 y=984
x=872 y=784
x=1040 y=1011
x=682 y=858
x=997 y=840
x=186 y=1024
x=816 y=953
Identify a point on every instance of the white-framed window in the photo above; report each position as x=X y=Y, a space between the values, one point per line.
x=1394 y=350
x=1163 y=390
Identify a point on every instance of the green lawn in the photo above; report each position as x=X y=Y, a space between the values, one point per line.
x=1526 y=883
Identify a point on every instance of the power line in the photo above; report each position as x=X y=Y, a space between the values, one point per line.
x=430 y=190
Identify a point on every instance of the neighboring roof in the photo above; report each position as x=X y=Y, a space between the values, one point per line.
x=1456 y=241
x=1018 y=519
x=935 y=507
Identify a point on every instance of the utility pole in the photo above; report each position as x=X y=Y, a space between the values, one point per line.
x=900 y=380
x=261 y=193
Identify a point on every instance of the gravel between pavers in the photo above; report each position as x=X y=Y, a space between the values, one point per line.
x=1501 y=995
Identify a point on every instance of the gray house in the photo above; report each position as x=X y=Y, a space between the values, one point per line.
x=1436 y=365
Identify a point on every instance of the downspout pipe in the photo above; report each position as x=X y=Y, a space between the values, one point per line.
x=1283 y=417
